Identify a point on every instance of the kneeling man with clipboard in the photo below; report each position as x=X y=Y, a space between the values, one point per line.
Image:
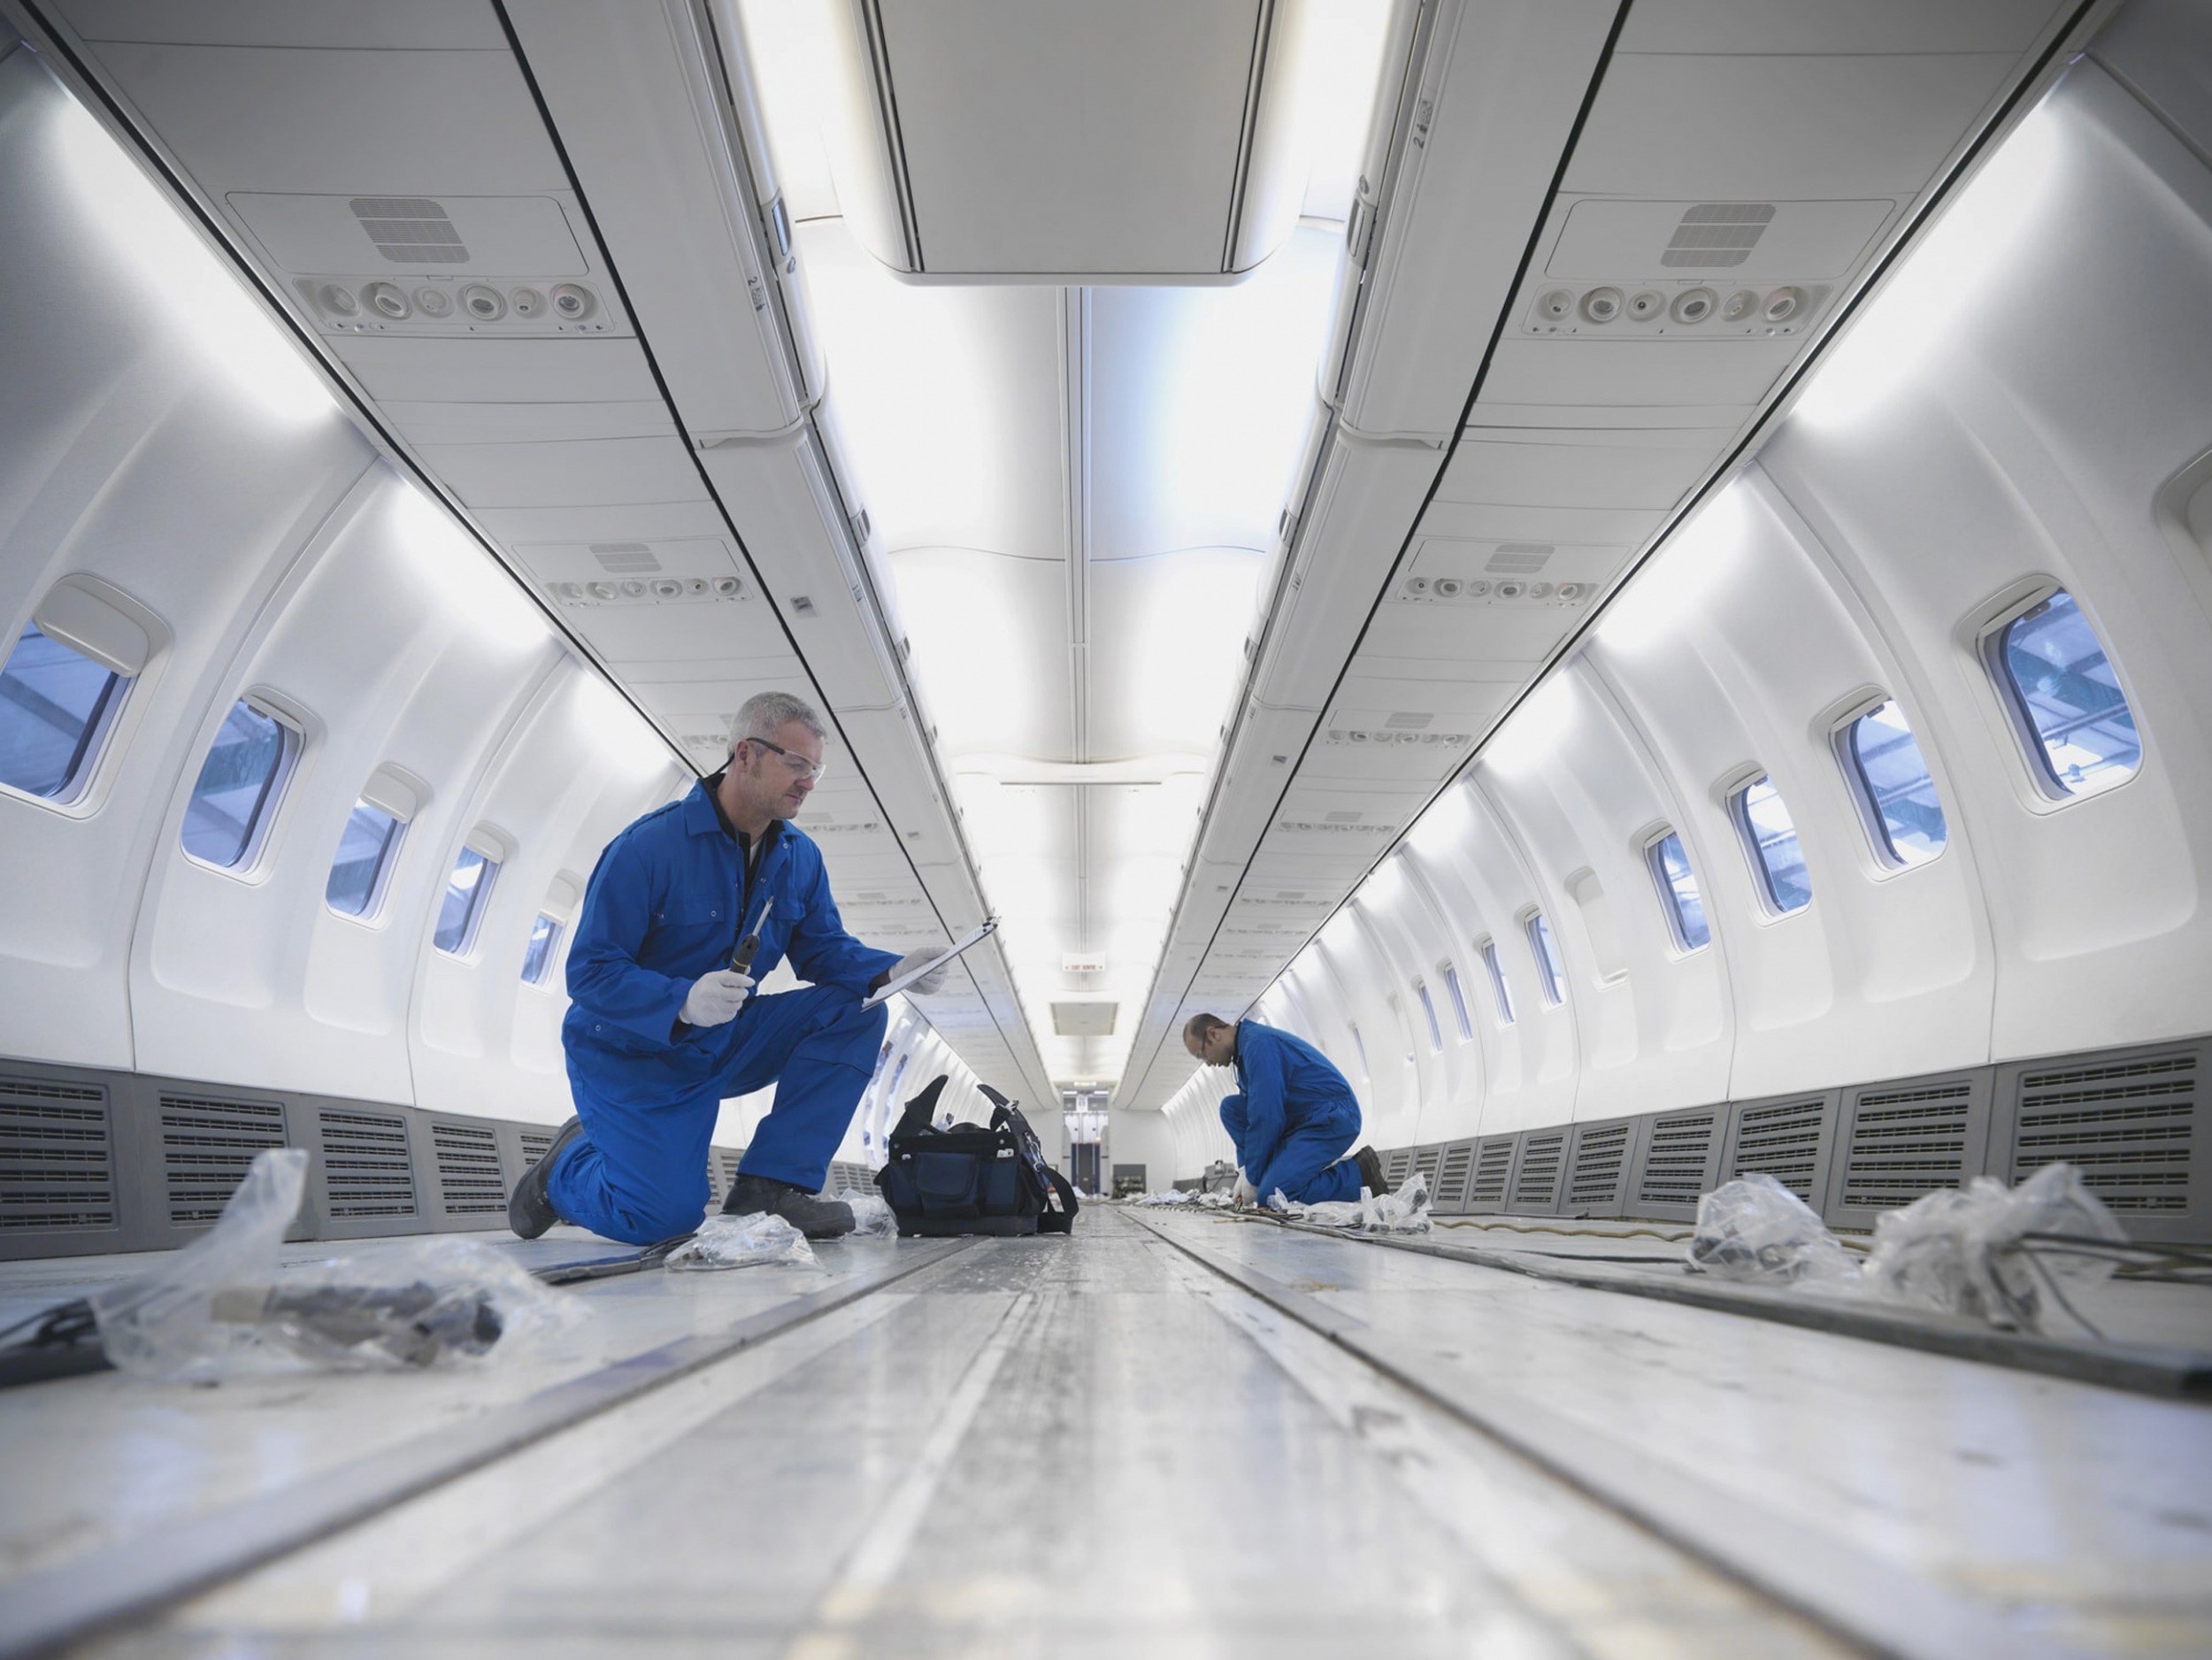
x=687 y=907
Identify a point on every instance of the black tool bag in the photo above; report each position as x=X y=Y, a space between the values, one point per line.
x=972 y=1177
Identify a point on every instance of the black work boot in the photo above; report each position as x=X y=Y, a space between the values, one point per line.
x=1369 y=1164
x=529 y=1212
x=815 y=1216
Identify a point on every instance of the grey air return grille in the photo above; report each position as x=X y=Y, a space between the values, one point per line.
x=57 y=1157
x=1714 y=234
x=1428 y=1161
x=2127 y=1126
x=1397 y=1166
x=1536 y=1184
x=1519 y=559
x=535 y=1145
x=1676 y=1162
x=1601 y=1159
x=410 y=230
x=469 y=1182
x=1905 y=1142
x=207 y=1144
x=1494 y=1165
x=1452 y=1175
x=366 y=1170
x=1784 y=1141
x=722 y=1164
x=624 y=559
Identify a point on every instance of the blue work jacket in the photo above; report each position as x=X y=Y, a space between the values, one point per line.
x=666 y=904
x=1287 y=1084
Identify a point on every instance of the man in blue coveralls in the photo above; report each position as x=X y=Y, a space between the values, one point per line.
x=1293 y=1120
x=660 y=1027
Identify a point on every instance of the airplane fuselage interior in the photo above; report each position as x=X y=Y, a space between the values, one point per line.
x=1193 y=828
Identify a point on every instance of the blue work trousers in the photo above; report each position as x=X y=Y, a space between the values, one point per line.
x=639 y=1171
x=1304 y=1168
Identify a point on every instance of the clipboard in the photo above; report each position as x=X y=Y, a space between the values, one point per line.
x=976 y=935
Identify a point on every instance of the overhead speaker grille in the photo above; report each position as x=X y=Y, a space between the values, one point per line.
x=1674 y=1163
x=1536 y=1184
x=207 y=1145
x=1494 y=1164
x=2126 y=1127
x=1519 y=559
x=1783 y=1141
x=469 y=1182
x=1905 y=1142
x=366 y=1170
x=624 y=559
x=57 y=1157
x=1452 y=1175
x=410 y=230
x=1600 y=1158
x=1716 y=234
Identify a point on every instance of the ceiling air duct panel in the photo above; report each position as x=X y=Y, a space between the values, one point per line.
x=1057 y=140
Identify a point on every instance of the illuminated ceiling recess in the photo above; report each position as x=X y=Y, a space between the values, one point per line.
x=1072 y=305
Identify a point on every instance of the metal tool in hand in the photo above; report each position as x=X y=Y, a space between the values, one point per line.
x=748 y=948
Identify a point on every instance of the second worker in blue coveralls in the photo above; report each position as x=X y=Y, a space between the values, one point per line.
x=1294 y=1118
x=661 y=1028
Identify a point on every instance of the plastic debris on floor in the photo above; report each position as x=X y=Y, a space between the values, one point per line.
x=873 y=1216
x=741 y=1241
x=223 y=1307
x=1404 y=1211
x=2002 y=1255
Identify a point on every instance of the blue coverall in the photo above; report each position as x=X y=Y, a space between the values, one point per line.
x=1292 y=1119
x=668 y=903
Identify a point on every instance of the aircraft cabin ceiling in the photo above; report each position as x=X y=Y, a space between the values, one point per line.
x=1167 y=438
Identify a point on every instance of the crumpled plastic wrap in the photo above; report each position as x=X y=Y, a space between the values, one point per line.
x=1755 y=1230
x=741 y=1241
x=1169 y=1196
x=873 y=1216
x=223 y=1307
x=1960 y=1249
x=1404 y=1211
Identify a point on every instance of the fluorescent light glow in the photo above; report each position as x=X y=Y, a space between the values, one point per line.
x=484 y=597
x=1670 y=593
x=615 y=730
x=1531 y=738
x=1901 y=334
x=180 y=277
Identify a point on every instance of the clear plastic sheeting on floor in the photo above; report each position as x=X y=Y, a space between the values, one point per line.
x=741 y=1241
x=1404 y=1211
x=873 y=1216
x=1755 y=1230
x=223 y=1307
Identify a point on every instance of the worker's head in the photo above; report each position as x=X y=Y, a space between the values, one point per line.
x=1211 y=1039
x=775 y=757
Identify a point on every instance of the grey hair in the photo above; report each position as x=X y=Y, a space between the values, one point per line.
x=764 y=712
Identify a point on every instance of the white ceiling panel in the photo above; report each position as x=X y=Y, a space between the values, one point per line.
x=498 y=371
x=388 y=25
x=1780 y=128
x=423 y=423
x=325 y=120
x=1631 y=372
x=1823 y=25
x=650 y=562
x=614 y=472
x=635 y=521
x=1606 y=237
x=1565 y=526
x=1640 y=417
x=1505 y=559
x=1579 y=469
x=1517 y=633
x=678 y=630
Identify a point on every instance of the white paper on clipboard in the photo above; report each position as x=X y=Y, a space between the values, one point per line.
x=975 y=935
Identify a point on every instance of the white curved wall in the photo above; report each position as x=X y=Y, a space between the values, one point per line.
x=2028 y=400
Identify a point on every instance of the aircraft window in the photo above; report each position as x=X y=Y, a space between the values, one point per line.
x=1678 y=895
x=537 y=957
x=2066 y=696
x=56 y=706
x=1497 y=981
x=1459 y=1001
x=1549 y=980
x=1902 y=809
x=234 y=799
x=1428 y=1008
x=368 y=847
x=1771 y=837
x=463 y=908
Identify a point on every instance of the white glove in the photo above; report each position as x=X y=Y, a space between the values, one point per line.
x=1244 y=1193
x=714 y=999
x=933 y=981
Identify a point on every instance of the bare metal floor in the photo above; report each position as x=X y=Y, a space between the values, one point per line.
x=1103 y=1445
